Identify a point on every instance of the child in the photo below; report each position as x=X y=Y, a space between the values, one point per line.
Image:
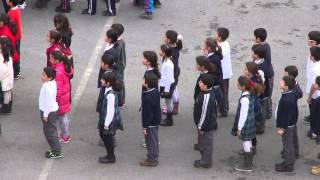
x=150 y=61
x=205 y=117
x=148 y=10
x=313 y=40
x=63 y=73
x=260 y=36
x=166 y=83
x=111 y=8
x=174 y=41
x=222 y=35
x=64 y=7
x=109 y=115
x=121 y=64
x=48 y=112
x=246 y=122
x=91 y=7
x=151 y=116
x=6 y=74
x=286 y=120
x=15 y=17
x=293 y=72
x=53 y=39
x=314 y=93
x=316 y=115
x=61 y=23
x=214 y=52
x=258 y=54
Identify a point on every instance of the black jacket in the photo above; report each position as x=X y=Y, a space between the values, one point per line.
x=197 y=88
x=175 y=54
x=267 y=57
x=288 y=112
x=205 y=111
x=121 y=46
x=150 y=108
x=297 y=91
x=216 y=60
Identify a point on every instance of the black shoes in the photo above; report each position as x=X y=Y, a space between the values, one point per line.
x=246 y=165
x=199 y=164
x=284 y=167
x=107 y=13
x=86 y=11
x=109 y=159
x=168 y=121
x=146 y=15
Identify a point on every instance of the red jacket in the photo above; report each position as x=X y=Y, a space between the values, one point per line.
x=5 y=31
x=63 y=88
x=15 y=17
x=53 y=47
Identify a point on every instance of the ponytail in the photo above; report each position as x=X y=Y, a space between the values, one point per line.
x=254 y=88
x=7 y=49
x=59 y=56
x=55 y=35
x=152 y=58
x=214 y=47
x=111 y=78
x=175 y=39
x=167 y=50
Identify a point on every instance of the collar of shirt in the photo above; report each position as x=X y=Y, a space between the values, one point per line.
x=245 y=93
x=204 y=72
x=150 y=69
x=149 y=90
x=108 y=46
x=108 y=89
x=287 y=92
x=14 y=8
x=210 y=54
x=260 y=61
x=119 y=38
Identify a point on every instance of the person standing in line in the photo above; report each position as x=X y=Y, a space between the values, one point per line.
x=111 y=8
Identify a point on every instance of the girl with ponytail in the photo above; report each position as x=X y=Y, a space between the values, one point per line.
x=174 y=41
x=64 y=72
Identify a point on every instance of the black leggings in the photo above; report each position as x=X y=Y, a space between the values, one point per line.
x=254 y=142
x=107 y=141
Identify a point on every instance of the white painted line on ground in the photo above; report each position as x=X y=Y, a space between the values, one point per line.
x=81 y=87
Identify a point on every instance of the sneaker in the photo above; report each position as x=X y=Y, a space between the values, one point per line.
x=148 y=162
x=315 y=171
x=284 y=167
x=146 y=15
x=17 y=76
x=306 y=119
x=107 y=13
x=65 y=139
x=107 y=159
x=122 y=106
x=53 y=154
x=199 y=164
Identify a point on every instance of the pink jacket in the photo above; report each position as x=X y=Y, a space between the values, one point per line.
x=63 y=88
x=53 y=47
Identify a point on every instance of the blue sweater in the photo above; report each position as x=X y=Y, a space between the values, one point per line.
x=150 y=108
x=216 y=60
x=288 y=112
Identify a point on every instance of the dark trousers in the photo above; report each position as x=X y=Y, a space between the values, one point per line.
x=92 y=6
x=290 y=144
x=111 y=6
x=50 y=131
x=152 y=141
x=205 y=142
x=224 y=107
x=313 y=121
x=122 y=93
x=107 y=141
x=5 y=6
x=16 y=66
x=269 y=103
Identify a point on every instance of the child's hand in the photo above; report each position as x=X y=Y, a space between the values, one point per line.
x=45 y=119
x=238 y=132
x=106 y=127
x=280 y=132
x=144 y=131
x=309 y=100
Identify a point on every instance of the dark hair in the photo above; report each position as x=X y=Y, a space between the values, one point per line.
x=315 y=52
x=14 y=2
x=6 y=21
x=63 y=22
x=292 y=71
x=173 y=37
x=315 y=36
x=108 y=59
x=259 y=50
x=214 y=47
x=151 y=80
x=113 y=35
x=59 y=56
x=260 y=33
x=118 y=28
x=318 y=80
x=7 y=49
x=206 y=63
x=253 y=68
x=152 y=58
x=223 y=33
x=50 y=72
x=206 y=79
x=111 y=78
x=249 y=85
x=167 y=50
x=289 y=81
x=55 y=35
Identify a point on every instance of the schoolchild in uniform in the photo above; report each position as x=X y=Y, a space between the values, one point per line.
x=205 y=117
x=260 y=36
x=91 y=7
x=221 y=36
x=62 y=25
x=151 y=116
x=286 y=119
x=246 y=122
x=53 y=39
x=111 y=8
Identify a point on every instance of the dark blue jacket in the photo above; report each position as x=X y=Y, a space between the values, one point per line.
x=216 y=60
x=150 y=108
x=175 y=54
x=267 y=57
x=205 y=111
x=288 y=112
x=297 y=91
x=197 y=88
x=264 y=67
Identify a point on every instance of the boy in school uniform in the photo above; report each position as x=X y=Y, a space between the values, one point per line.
x=293 y=71
x=151 y=116
x=48 y=111
x=222 y=35
x=313 y=40
x=205 y=117
x=91 y=7
x=286 y=119
x=314 y=93
x=111 y=8
x=260 y=36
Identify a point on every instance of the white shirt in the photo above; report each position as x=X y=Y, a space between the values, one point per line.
x=315 y=72
x=167 y=77
x=309 y=75
x=47 y=98
x=6 y=74
x=226 y=61
x=108 y=46
x=260 y=61
x=110 y=107
x=243 y=110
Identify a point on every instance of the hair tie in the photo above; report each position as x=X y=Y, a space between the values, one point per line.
x=179 y=37
x=251 y=84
